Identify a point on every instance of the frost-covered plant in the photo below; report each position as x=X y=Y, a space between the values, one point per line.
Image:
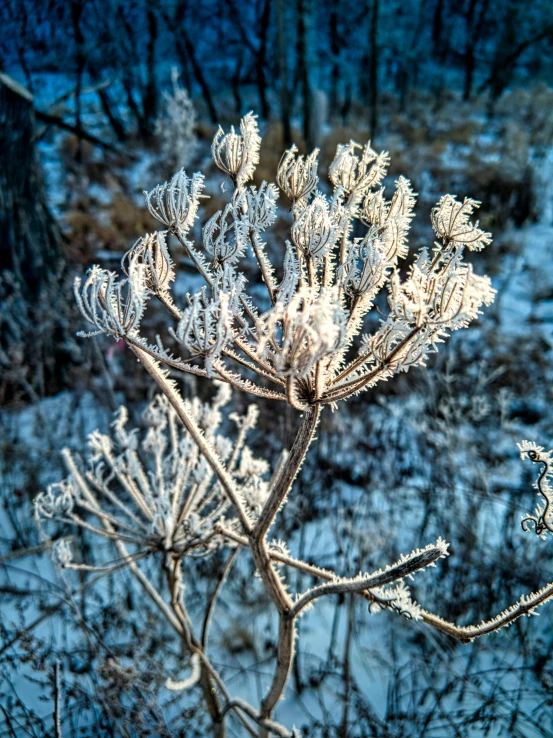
x=176 y=125
x=542 y=520
x=155 y=489
x=184 y=492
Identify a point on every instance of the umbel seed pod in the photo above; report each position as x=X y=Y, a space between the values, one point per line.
x=238 y=154
x=297 y=175
x=175 y=203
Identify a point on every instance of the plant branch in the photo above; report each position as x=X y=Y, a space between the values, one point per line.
x=270 y=725
x=289 y=472
x=172 y=394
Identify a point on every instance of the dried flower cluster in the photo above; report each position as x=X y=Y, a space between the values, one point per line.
x=157 y=493
x=305 y=344
x=186 y=488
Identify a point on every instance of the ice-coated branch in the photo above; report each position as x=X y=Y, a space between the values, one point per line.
x=191 y=679
x=169 y=389
x=404 y=568
x=290 y=470
x=526 y=605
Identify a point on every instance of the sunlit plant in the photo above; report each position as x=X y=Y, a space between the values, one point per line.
x=185 y=489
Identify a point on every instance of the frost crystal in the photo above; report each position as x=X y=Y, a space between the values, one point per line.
x=294 y=336
x=297 y=176
x=175 y=203
x=451 y=222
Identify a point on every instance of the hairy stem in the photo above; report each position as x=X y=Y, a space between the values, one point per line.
x=267 y=572
x=172 y=394
x=285 y=657
x=264 y=264
x=282 y=485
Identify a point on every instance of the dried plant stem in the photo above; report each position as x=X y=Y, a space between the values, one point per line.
x=283 y=483
x=204 y=447
x=173 y=363
x=410 y=565
x=311 y=271
x=271 y=376
x=302 y=343
x=270 y=725
x=241 y=383
x=264 y=264
x=285 y=658
x=465 y=634
x=524 y=606
x=176 y=618
x=173 y=570
x=291 y=394
x=57 y=701
x=342 y=391
x=265 y=568
x=214 y=597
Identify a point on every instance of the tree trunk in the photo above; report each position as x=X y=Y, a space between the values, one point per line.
x=335 y=52
x=373 y=67
x=303 y=68
x=283 y=76
x=437 y=30
x=29 y=246
x=187 y=53
x=36 y=348
x=470 y=47
x=150 y=95
x=76 y=13
x=260 y=60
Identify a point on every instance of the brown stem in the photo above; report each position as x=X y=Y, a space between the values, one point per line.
x=282 y=486
x=166 y=386
x=285 y=657
x=173 y=572
x=355 y=385
x=264 y=264
x=266 y=570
